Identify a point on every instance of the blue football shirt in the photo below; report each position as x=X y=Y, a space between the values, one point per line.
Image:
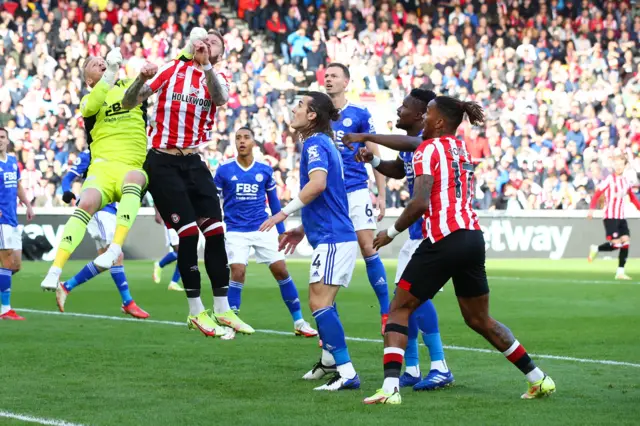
x=79 y=168
x=9 y=191
x=326 y=219
x=415 y=230
x=353 y=119
x=244 y=192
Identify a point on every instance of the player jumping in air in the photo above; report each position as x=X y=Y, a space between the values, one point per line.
x=10 y=238
x=189 y=89
x=101 y=228
x=453 y=248
x=326 y=223
x=118 y=143
x=357 y=119
x=173 y=243
x=246 y=185
x=615 y=188
x=425 y=318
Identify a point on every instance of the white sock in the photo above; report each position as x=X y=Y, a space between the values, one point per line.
x=4 y=309
x=414 y=370
x=327 y=359
x=534 y=375
x=620 y=271
x=195 y=305
x=220 y=304
x=391 y=384
x=115 y=248
x=298 y=323
x=441 y=366
x=347 y=371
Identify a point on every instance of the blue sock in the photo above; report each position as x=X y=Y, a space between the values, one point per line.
x=428 y=323
x=89 y=271
x=378 y=280
x=330 y=328
x=117 y=273
x=235 y=295
x=289 y=294
x=170 y=257
x=176 y=275
x=411 y=358
x=5 y=286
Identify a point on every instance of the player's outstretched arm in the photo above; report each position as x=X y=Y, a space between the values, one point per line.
x=216 y=83
x=416 y=207
x=634 y=198
x=140 y=91
x=395 y=142
x=381 y=183
x=274 y=205
x=393 y=169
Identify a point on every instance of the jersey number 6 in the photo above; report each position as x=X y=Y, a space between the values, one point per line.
x=467 y=167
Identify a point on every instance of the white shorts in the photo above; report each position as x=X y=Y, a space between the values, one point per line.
x=333 y=262
x=101 y=228
x=264 y=244
x=10 y=238
x=171 y=237
x=361 y=210
x=404 y=256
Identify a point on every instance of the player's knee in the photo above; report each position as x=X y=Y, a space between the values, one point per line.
x=365 y=241
x=315 y=304
x=90 y=201
x=135 y=177
x=476 y=322
x=238 y=273
x=175 y=248
x=15 y=266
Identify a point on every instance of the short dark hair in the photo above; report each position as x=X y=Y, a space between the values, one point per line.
x=248 y=129
x=2 y=129
x=425 y=96
x=343 y=67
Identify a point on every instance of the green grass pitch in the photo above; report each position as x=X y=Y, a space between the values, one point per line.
x=99 y=371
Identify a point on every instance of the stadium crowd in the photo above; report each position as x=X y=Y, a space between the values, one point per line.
x=558 y=80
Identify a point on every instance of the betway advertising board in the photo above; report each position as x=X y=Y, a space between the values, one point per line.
x=549 y=235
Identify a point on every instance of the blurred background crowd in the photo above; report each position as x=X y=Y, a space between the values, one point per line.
x=558 y=80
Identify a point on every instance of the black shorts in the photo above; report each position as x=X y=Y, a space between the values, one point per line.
x=459 y=256
x=616 y=228
x=182 y=188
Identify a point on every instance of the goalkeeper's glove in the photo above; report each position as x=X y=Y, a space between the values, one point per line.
x=114 y=60
x=196 y=34
x=68 y=196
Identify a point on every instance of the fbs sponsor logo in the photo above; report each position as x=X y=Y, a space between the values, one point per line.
x=503 y=235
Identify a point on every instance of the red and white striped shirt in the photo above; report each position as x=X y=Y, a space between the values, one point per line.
x=447 y=160
x=614 y=188
x=184 y=112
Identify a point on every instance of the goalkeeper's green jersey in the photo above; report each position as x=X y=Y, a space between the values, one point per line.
x=114 y=133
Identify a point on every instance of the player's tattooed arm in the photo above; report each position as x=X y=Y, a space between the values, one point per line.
x=217 y=89
x=137 y=93
x=418 y=204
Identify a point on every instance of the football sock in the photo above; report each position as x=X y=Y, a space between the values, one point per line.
x=378 y=280
x=168 y=258
x=622 y=257
x=89 y=271
x=606 y=247
x=127 y=211
x=5 y=290
x=176 y=275
x=411 y=358
x=188 y=265
x=428 y=323
x=235 y=295
x=289 y=294
x=519 y=357
x=220 y=303
x=117 y=273
x=72 y=236
x=326 y=358
x=333 y=338
x=195 y=305
x=392 y=361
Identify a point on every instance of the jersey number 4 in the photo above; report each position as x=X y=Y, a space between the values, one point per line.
x=316 y=262
x=467 y=167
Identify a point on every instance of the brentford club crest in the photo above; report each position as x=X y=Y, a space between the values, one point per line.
x=175 y=218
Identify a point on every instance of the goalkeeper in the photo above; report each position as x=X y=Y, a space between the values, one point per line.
x=118 y=143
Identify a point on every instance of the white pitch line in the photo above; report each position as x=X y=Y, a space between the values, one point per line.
x=39 y=420
x=563 y=280
x=352 y=339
